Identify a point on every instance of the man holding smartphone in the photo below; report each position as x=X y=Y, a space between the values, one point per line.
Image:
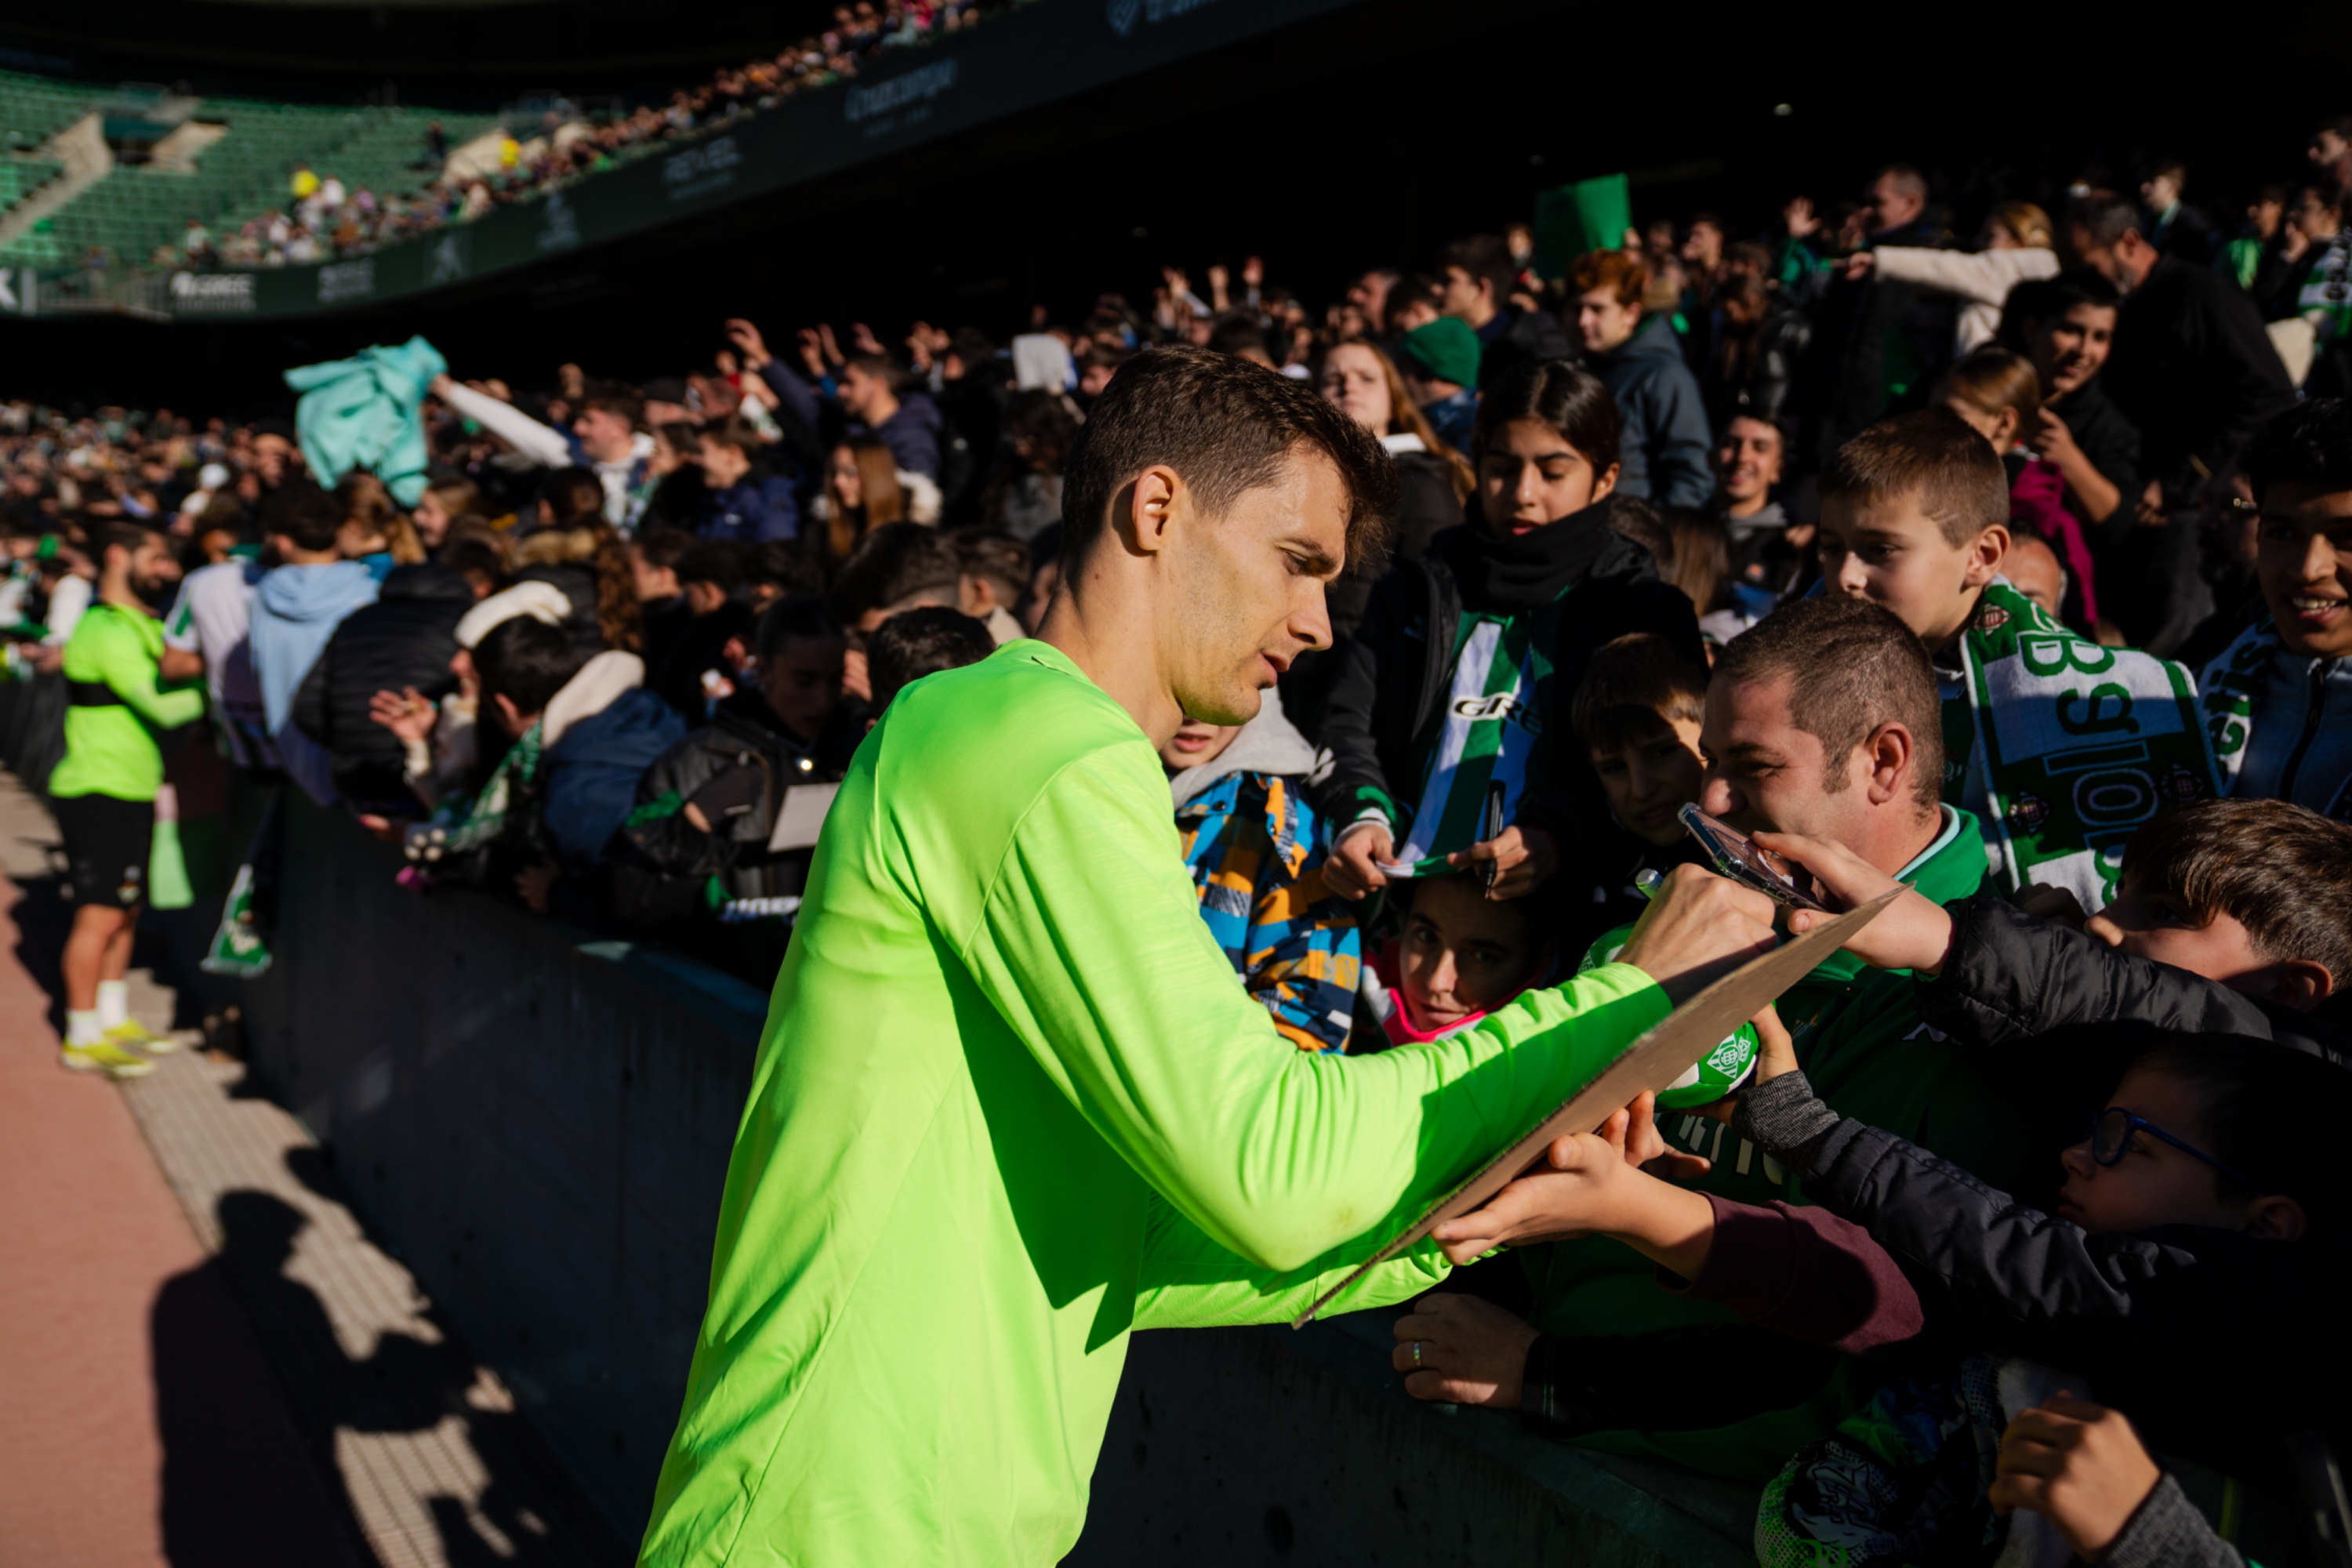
x=1826 y=714
x=1010 y=1103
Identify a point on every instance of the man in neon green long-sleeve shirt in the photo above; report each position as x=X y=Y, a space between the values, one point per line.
x=103 y=791
x=1010 y=1104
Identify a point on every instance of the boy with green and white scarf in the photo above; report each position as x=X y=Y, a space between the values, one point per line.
x=2061 y=747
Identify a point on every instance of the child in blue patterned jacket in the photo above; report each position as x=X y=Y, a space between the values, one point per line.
x=1252 y=844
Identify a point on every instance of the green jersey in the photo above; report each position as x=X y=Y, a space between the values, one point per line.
x=1009 y=1106
x=116 y=707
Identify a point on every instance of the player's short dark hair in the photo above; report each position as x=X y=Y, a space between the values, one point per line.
x=1960 y=479
x=1228 y=426
x=919 y=642
x=1852 y=666
x=301 y=511
x=526 y=661
x=124 y=533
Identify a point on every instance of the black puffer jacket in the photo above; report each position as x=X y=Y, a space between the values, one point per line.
x=665 y=869
x=1398 y=668
x=2218 y=1344
x=405 y=639
x=2011 y=979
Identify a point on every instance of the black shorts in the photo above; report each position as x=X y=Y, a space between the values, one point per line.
x=107 y=843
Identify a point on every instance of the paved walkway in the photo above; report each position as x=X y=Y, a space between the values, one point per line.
x=202 y=1359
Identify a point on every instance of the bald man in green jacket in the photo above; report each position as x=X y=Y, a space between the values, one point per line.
x=1010 y=1104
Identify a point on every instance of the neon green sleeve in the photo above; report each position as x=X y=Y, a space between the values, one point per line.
x=1188 y=1281
x=125 y=663
x=1088 y=926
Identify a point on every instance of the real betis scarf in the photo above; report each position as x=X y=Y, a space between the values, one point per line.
x=2080 y=744
x=1488 y=731
x=240 y=948
x=464 y=824
x=2233 y=687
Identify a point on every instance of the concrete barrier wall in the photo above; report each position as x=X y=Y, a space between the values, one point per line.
x=538 y=1125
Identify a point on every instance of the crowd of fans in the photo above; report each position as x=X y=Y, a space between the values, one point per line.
x=2019 y=575
x=324 y=217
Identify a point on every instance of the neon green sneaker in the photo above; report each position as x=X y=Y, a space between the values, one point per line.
x=102 y=1057
x=133 y=1035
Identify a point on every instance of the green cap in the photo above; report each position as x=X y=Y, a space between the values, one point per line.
x=1444 y=349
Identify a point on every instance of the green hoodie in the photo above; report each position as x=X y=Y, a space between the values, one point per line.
x=1009 y=1106
x=1857 y=1034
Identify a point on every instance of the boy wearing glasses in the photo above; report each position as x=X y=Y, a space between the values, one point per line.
x=1908 y=1259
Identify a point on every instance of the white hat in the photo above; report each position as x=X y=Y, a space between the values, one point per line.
x=540 y=600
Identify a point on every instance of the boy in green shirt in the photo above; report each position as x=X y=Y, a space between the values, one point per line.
x=1010 y=1104
x=103 y=792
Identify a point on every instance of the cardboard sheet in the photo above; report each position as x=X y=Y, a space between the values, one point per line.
x=1679 y=1041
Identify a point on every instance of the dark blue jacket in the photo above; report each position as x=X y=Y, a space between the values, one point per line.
x=912 y=433
x=1666 y=441
x=589 y=779
x=755 y=509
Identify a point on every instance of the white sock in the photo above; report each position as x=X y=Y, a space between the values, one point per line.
x=113 y=1003
x=83 y=1028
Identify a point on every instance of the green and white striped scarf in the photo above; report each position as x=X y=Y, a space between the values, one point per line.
x=2080 y=745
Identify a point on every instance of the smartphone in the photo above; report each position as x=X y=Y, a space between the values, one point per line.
x=1736 y=858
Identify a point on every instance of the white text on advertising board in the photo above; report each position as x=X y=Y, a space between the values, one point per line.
x=916 y=87
x=211 y=293
x=699 y=171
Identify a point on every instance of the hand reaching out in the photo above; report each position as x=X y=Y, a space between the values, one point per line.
x=1353 y=867
x=1253 y=273
x=405 y=714
x=813 y=352
x=1525 y=857
x=832 y=353
x=1799 y=219
x=2078 y=1464
x=748 y=342
x=1459 y=1349
x=862 y=338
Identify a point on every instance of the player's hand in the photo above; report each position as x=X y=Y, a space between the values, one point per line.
x=1525 y=857
x=1459 y=1349
x=1697 y=928
x=2078 y=1464
x=1352 y=869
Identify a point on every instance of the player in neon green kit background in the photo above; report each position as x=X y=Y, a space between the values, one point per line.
x=1010 y=1104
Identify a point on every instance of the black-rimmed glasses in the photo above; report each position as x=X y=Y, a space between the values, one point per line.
x=2109 y=1133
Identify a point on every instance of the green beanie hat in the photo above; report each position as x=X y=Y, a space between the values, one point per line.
x=1444 y=349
